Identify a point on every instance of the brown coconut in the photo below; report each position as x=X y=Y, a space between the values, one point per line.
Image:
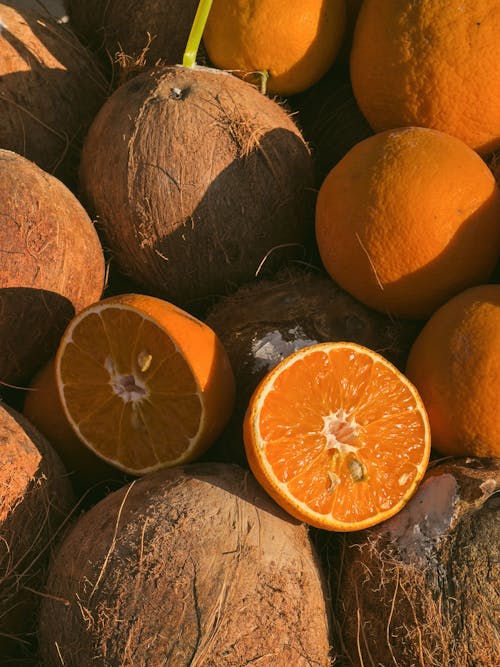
x=144 y=30
x=195 y=177
x=50 y=89
x=265 y=321
x=330 y=120
x=52 y=265
x=193 y=566
x=35 y=500
x=422 y=588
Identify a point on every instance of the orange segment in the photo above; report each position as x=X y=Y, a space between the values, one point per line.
x=144 y=384
x=337 y=436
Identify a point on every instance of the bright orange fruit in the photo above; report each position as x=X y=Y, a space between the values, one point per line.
x=143 y=383
x=42 y=407
x=337 y=436
x=294 y=42
x=431 y=63
x=455 y=364
x=407 y=219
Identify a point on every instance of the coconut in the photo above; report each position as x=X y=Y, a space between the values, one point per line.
x=50 y=89
x=422 y=588
x=145 y=30
x=52 y=265
x=193 y=566
x=35 y=499
x=266 y=320
x=330 y=120
x=196 y=177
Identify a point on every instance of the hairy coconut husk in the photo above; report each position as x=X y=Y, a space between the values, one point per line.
x=52 y=265
x=159 y=29
x=195 y=177
x=330 y=120
x=422 y=588
x=35 y=499
x=265 y=321
x=50 y=90
x=195 y=566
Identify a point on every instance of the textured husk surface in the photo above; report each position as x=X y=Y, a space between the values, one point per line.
x=421 y=589
x=50 y=90
x=52 y=265
x=192 y=566
x=35 y=499
x=330 y=120
x=160 y=27
x=266 y=320
x=195 y=176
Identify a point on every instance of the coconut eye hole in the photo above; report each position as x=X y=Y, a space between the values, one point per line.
x=177 y=93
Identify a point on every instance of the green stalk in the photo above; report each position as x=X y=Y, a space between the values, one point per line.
x=194 y=39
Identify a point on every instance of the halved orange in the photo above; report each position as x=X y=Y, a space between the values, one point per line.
x=144 y=384
x=337 y=436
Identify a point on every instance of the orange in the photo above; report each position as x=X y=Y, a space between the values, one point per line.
x=143 y=383
x=432 y=63
x=455 y=364
x=292 y=43
x=337 y=436
x=43 y=408
x=407 y=219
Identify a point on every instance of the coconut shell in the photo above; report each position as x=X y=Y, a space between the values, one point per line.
x=193 y=566
x=50 y=89
x=52 y=265
x=144 y=30
x=422 y=587
x=330 y=120
x=265 y=321
x=35 y=499
x=196 y=177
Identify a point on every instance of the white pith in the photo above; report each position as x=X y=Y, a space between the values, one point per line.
x=129 y=387
x=341 y=432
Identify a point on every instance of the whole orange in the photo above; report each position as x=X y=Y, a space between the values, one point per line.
x=407 y=219
x=432 y=63
x=293 y=42
x=455 y=365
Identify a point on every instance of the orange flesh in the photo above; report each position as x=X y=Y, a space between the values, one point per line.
x=132 y=397
x=342 y=435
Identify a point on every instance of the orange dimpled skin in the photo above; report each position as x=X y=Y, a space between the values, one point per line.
x=407 y=219
x=455 y=364
x=337 y=436
x=432 y=63
x=144 y=384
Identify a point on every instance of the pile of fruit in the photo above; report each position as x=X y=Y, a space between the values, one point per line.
x=249 y=333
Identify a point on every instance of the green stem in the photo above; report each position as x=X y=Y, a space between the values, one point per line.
x=194 y=39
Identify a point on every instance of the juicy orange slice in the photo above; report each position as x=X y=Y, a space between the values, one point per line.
x=337 y=436
x=144 y=384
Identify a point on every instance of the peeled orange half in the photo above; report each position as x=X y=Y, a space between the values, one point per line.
x=143 y=383
x=337 y=436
